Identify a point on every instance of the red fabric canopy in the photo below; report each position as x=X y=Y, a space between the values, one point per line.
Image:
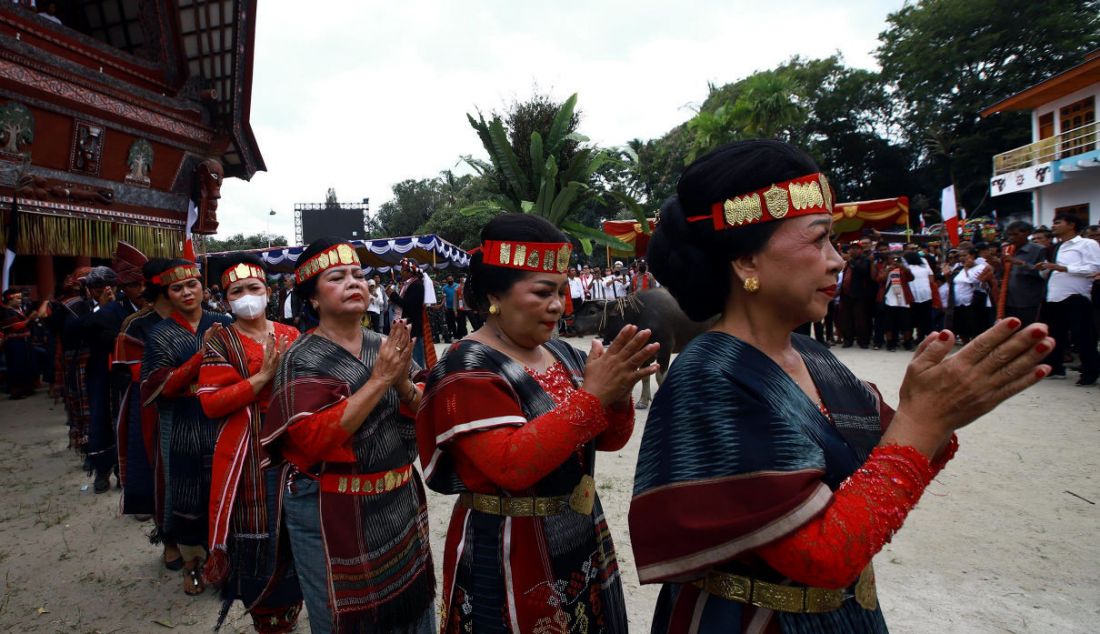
x=629 y=231
x=850 y=219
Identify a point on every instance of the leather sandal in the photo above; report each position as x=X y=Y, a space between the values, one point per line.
x=192 y=581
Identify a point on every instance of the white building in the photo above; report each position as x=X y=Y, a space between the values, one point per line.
x=1061 y=166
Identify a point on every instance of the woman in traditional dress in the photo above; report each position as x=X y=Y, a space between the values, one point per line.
x=234 y=389
x=341 y=418
x=507 y=425
x=22 y=373
x=67 y=319
x=769 y=475
x=138 y=445
x=169 y=376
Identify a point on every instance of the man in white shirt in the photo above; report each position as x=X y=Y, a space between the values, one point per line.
x=616 y=282
x=375 y=304
x=576 y=289
x=598 y=285
x=1068 y=307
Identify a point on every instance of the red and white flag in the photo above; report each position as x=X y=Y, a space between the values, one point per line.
x=949 y=213
x=192 y=218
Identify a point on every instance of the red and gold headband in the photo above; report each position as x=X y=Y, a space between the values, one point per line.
x=800 y=196
x=540 y=257
x=337 y=255
x=242 y=271
x=177 y=274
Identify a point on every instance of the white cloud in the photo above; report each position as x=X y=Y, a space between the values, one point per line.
x=361 y=95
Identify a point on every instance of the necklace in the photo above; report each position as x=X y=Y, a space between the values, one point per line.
x=251 y=335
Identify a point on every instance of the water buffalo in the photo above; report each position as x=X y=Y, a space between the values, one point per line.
x=654 y=309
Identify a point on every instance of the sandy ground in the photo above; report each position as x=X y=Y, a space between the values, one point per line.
x=1004 y=541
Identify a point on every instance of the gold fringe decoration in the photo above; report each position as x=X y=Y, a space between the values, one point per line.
x=67 y=235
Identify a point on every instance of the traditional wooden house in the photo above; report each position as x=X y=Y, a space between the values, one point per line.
x=118 y=121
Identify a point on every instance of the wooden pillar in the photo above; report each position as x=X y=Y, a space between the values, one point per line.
x=44 y=276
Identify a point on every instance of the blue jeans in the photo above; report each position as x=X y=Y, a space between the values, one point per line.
x=302 y=514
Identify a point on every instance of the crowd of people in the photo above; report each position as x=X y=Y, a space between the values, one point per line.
x=280 y=431
x=892 y=295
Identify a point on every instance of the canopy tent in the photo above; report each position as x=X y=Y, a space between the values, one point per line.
x=850 y=219
x=380 y=255
x=630 y=232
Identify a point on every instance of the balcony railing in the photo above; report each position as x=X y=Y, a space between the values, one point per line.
x=1069 y=143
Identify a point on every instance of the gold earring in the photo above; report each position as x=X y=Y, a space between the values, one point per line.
x=494 y=309
x=752 y=284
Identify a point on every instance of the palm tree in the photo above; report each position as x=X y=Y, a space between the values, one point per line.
x=559 y=180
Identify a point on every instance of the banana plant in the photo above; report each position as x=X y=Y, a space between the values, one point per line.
x=552 y=190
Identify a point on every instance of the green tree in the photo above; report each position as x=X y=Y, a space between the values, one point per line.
x=242 y=242
x=559 y=179
x=945 y=60
x=449 y=221
x=414 y=202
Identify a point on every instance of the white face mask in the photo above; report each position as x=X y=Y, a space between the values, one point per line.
x=248 y=306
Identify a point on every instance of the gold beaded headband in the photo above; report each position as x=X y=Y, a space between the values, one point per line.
x=336 y=255
x=539 y=257
x=242 y=271
x=800 y=196
x=177 y=274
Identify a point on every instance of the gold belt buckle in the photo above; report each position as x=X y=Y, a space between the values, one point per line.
x=866 y=596
x=583 y=499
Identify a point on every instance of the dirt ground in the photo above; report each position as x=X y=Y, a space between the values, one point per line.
x=1004 y=541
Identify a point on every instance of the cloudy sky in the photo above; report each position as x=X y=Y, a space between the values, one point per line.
x=361 y=95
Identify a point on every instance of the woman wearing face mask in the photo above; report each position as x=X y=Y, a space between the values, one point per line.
x=238 y=365
x=341 y=420
x=511 y=422
x=169 y=373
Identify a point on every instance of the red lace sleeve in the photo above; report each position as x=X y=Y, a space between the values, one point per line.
x=179 y=381
x=945 y=456
x=870 y=506
x=620 y=425
x=515 y=458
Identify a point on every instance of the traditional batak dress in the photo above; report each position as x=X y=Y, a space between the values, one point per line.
x=137 y=424
x=18 y=353
x=528 y=548
x=244 y=526
x=355 y=509
x=101 y=331
x=747 y=492
x=67 y=320
x=170 y=371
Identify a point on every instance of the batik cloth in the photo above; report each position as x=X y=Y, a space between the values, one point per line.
x=557 y=573
x=137 y=425
x=169 y=373
x=243 y=526
x=378 y=565
x=734 y=457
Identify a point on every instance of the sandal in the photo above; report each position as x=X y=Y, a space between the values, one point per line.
x=192 y=581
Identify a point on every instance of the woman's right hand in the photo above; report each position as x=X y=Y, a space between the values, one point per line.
x=611 y=375
x=941 y=394
x=273 y=353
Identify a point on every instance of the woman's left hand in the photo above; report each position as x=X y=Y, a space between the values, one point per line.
x=395 y=355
